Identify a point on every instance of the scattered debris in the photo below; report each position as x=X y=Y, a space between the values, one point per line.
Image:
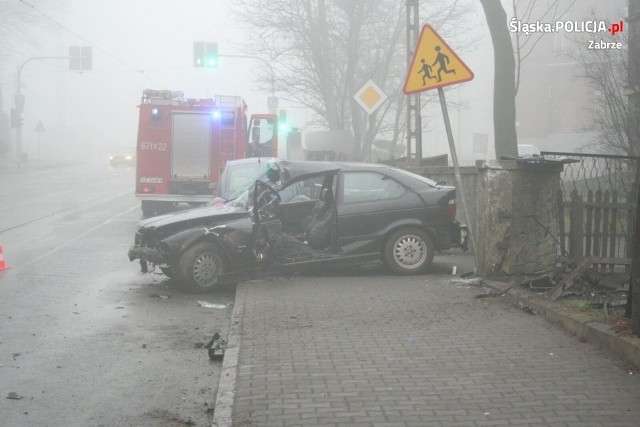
x=623 y=328
x=570 y=280
x=609 y=304
x=216 y=347
x=119 y=307
x=206 y=304
x=522 y=306
x=144 y=346
x=216 y=353
x=544 y=280
x=487 y=292
x=454 y=270
x=473 y=281
x=570 y=294
x=13 y=395
x=160 y=296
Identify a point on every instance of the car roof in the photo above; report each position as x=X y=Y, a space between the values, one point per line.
x=250 y=160
x=296 y=170
x=301 y=167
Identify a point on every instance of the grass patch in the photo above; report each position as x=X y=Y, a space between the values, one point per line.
x=582 y=305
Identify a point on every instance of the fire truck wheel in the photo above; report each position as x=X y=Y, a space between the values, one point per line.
x=147 y=208
x=202 y=266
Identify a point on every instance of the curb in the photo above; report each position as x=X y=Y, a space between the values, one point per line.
x=583 y=327
x=223 y=409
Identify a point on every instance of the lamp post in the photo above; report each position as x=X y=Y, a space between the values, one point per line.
x=19 y=102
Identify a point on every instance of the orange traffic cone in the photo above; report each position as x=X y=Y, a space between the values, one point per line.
x=3 y=266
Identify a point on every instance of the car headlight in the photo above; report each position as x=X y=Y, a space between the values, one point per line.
x=128 y=157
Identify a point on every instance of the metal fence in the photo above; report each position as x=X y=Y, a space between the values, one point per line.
x=598 y=210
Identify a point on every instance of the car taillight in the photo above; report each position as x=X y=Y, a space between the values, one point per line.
x=146 y=189
x=451 y=209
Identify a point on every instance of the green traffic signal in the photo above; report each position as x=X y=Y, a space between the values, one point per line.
x=205 y=55
x=283 y=124
x=211 y=55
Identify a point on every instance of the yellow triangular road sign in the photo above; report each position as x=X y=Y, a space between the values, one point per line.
x=434 y=64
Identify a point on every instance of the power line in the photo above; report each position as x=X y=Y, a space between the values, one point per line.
x=87 y=41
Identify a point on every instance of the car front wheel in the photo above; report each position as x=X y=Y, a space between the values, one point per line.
x=202 y=267
x=409 y=251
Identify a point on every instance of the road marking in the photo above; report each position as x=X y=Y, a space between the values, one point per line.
x=91 y=230
x=117 y=194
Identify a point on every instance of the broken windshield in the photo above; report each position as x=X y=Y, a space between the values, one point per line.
x=268 y=173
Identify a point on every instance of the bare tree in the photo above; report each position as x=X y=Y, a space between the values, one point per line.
x=504 y=82
x=509 y=56
x=320 y=52
x=607 y=72
x=531 y=11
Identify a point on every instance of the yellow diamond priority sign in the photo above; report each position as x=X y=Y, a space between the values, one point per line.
x=370 y=97
x=434 y=64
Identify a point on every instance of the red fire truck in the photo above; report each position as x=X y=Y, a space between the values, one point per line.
x=183 y=145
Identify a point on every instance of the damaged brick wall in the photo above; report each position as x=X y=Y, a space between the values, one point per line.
x=517 y=217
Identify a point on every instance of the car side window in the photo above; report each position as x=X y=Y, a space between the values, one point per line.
x=302 y=191
x=361 y=187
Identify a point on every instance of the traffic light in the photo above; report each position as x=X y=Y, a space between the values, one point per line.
x=80 y=58
x=211 y=55
x=14 y=118
x=283 y=124
x=198 y=54
x=205 y=55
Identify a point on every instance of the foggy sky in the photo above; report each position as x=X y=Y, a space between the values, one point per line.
x=85 y=114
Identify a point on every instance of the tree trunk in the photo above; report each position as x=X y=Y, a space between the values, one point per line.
x=634 y=147
x=504 y=85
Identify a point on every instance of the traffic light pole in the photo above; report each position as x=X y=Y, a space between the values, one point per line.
x=19 y=102
x=272 y=110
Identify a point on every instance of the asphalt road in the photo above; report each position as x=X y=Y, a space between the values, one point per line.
x=85 y=338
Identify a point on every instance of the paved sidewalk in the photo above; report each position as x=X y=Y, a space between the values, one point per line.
x=373 y=349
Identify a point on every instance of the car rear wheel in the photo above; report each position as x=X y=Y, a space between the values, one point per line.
x=408 y=251
x=202 y=266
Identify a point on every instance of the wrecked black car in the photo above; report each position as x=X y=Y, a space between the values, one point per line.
x=335 y=213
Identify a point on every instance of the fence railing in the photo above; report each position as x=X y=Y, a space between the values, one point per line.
x=597 y=199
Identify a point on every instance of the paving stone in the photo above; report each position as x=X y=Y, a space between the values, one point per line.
x=384 y=350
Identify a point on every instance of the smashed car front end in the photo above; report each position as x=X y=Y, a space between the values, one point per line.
x=160 y=241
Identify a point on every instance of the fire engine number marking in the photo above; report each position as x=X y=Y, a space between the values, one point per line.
x=157 y=146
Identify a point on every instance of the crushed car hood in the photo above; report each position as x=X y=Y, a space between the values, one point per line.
x=198 y=216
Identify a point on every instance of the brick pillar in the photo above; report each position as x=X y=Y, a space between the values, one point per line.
x=517 y=217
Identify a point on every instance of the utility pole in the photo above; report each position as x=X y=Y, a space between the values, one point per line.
x=633 y=126
x=414 y=123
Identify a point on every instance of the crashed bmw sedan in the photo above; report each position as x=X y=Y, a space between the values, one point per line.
x=334 y=213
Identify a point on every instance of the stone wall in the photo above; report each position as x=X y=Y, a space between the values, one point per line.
x=517 y=217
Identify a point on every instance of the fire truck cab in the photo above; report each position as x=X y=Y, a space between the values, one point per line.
x=184 y=144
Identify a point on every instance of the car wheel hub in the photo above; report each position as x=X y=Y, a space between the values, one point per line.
x=206 y=269
x=410 y=251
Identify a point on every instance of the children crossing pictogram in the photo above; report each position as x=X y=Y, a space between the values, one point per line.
x=434 y=64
